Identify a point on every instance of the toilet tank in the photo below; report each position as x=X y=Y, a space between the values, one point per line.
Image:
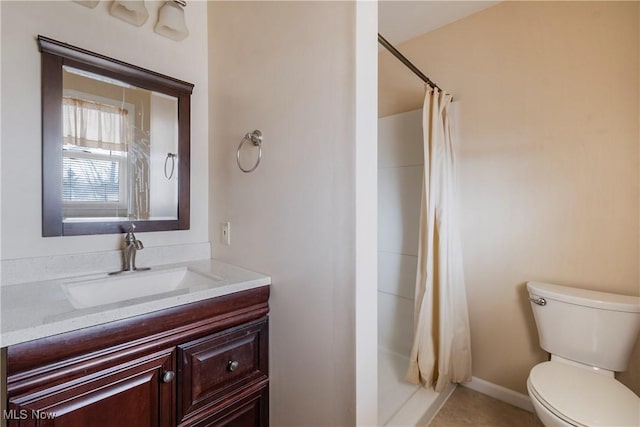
x=595 y=328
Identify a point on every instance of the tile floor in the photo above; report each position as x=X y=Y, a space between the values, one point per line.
x=467 y=407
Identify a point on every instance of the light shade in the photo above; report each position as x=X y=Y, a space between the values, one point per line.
x=171 y=21
x=133 y=12
x=89 y=3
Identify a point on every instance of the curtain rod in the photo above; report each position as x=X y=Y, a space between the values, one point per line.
x=395 y=52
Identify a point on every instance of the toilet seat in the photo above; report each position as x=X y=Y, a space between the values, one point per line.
x=583 y=398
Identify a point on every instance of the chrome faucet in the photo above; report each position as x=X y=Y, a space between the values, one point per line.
x=131 y=246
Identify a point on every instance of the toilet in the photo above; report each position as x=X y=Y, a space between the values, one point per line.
x=590 y=336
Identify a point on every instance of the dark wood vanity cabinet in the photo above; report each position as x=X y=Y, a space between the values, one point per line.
x=199 y=364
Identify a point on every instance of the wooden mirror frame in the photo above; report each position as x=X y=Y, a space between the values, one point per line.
x=55 y=55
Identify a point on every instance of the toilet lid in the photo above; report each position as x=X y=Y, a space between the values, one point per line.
x=584 y=398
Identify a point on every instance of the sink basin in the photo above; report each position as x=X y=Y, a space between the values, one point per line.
x=130 y=285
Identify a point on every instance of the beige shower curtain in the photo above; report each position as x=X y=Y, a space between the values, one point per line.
x=441 y=350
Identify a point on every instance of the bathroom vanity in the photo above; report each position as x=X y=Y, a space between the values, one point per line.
x=201 y=360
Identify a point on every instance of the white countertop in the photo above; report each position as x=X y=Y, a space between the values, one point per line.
x=35 y=310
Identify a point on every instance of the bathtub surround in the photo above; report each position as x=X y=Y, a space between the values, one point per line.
x=399 y=188
x=400 y=171
x=548 y=98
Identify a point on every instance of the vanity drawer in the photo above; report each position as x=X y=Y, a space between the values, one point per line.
x=251 y=410
x=215 y=370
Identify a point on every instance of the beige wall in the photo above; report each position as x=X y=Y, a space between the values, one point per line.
x=548 y=98
x=287 y=68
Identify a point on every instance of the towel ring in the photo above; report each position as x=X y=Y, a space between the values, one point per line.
x=171 y=156
x=256 y=139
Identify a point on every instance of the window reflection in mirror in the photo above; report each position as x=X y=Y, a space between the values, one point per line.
x=119 y=150
x=115 y=145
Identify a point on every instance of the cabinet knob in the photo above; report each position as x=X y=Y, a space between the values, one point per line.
x=233 y=365
x=168 y=376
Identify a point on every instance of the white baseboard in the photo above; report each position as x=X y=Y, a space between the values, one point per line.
x=504 y=394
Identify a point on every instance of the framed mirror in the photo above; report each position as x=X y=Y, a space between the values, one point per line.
x=115 y=145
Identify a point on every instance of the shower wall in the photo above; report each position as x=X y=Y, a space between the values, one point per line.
x=400 y=169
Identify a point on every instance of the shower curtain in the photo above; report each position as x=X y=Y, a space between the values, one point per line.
x=441 y=350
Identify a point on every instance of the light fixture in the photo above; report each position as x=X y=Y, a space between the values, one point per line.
x=89 y=3
x=133 y=12
x=171 y=21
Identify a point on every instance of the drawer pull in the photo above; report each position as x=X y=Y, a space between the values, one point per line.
x=168 y=376
x=233 y=365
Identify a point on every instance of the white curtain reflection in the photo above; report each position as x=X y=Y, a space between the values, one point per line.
x=94 y=125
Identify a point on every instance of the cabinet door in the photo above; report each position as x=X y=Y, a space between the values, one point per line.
x=139 y=393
